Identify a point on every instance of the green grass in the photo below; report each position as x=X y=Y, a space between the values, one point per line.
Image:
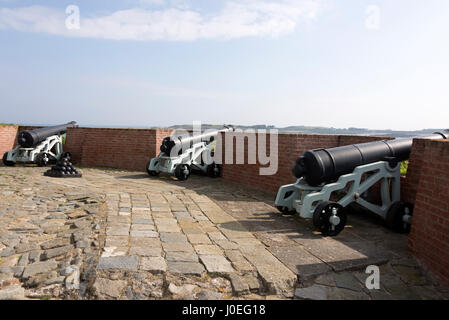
x=404 y=167
x=7 y=124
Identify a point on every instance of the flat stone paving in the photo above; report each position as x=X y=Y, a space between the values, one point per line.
x=123 y=235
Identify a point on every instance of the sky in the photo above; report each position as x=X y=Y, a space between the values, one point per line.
x=378 y=64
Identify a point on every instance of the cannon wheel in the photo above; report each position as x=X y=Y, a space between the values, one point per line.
x=395 y=214
x=42 y=159
x=6 y=162
x=321 y=218
x=182 y=172
x=152 y=173
x=214 y=170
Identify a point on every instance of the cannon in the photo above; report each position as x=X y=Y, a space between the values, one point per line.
x=181 y=155
x=39 y=146
x=330 y=180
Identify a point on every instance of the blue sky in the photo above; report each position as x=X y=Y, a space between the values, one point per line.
x=376 y=64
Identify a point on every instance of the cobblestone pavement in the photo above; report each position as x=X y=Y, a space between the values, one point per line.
x=123 y=235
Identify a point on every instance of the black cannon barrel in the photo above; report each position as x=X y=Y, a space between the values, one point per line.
x=30 y=138
x=325 y=165
x=187 y=140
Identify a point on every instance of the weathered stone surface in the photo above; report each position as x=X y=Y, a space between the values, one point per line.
x=143 y=234
x=277 y=278
x=173 y=237
x=58 y=242
x=341 y=256
x=109 y=288
x=82 y=244
x=39 y=267
x=194 y=268
x=209 y=295
x=55 y=252
x=216 y=236
x=34 y=256
x=347 y=281
x=411 y=275
x=81 y=235
x=145 y=242
x=118 y=219
x=72 y=282
x=168 y=228
x=114 y=252
x=345 y=294
x=153 y=264
x=252 y=281
x=299 y=261
x=198 y=238
x=145 y=252
x=235 y=230
x=116 y=241
x=56 y=229
x=118 y=230
x=315 y=292
x=326 y=280
x=216 y=264
x=56 y=280
x=182 y=291
x=208 y=249
x=12 y=293
x=227 y=245
x=7 y=252
x=181 y=256
x=242 y=266
x=143 y=227
x=25 y=247
x=137 y=221
x=239 y=285
x=82 y=223
x=121 y=263
x=177 y=246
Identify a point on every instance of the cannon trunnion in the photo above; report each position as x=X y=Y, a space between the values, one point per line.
x=330 y=180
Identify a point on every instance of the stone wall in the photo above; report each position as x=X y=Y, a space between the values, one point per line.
x=8 y=136
x=119 y=148
x=429 y=236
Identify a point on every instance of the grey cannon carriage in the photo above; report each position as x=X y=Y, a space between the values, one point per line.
x=39 y=146
x=180 y=155
x=329 y=180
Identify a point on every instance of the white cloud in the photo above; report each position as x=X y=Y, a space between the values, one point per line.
x=248 y=18
x=152 y=2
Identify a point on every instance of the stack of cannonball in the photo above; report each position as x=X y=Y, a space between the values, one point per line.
x=63 y=169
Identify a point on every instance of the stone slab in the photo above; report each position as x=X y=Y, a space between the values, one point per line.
x=216 y=264
x=193 y=268
x=120 y=263
x=300 y=261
